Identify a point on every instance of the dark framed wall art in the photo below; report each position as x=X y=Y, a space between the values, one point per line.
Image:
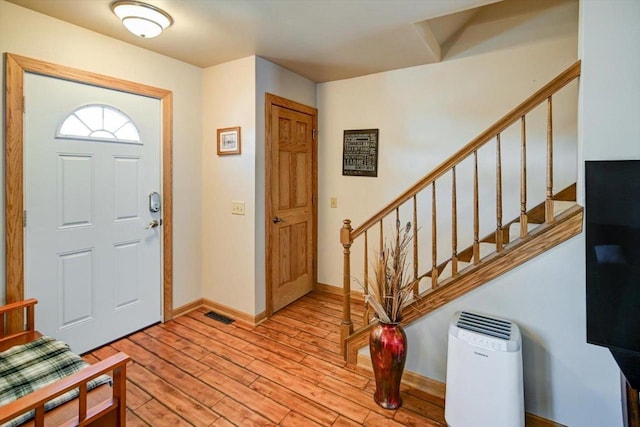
x=360 y=152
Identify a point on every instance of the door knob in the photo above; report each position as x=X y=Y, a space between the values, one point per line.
x=153 y=224
x=277 y=220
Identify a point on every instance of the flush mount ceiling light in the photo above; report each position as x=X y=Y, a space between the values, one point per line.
x=142 y=19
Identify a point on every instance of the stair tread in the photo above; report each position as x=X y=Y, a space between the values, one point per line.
x=560 y=206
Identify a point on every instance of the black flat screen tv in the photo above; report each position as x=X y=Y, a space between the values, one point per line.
x=612 y=206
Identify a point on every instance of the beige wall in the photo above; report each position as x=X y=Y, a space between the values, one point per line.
x=228 y=249
x=31 y=34
x=233 y=247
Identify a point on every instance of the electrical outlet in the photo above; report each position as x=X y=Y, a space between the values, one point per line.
x=237 y=207
x=334 y=202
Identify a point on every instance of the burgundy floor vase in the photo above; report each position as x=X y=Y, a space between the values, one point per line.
x=388 y=348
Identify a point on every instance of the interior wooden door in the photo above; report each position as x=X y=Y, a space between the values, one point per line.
x=291 y=168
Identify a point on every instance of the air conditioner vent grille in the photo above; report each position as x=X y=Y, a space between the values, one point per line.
x=485 y=325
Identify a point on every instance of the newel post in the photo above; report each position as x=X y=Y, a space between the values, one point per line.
x=346 y=327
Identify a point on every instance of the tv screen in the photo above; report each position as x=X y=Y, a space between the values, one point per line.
x=612 y=205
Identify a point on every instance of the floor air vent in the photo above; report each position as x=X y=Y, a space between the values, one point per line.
x=219 y=317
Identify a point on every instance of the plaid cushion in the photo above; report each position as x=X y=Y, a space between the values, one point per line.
x=29 y=367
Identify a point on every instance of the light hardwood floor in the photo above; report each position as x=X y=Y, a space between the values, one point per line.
x=287 y=371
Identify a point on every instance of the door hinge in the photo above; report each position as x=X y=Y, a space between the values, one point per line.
x=24 y=105
x=314 y=134
x=24 y=218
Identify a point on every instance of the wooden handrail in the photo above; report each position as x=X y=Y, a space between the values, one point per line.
x=514 y=115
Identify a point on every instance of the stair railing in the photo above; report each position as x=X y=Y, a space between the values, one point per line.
x=500 y=236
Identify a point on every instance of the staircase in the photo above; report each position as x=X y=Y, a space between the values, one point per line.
x=491 y=248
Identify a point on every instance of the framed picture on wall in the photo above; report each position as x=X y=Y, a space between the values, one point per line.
x=229 y=141
x=360 y=153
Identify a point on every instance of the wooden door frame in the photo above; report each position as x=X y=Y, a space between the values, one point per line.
x=15 y=68
x=270 y=101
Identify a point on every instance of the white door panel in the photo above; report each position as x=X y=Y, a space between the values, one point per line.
x=89 y=260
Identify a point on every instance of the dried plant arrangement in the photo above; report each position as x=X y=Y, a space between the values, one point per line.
x=390 y=289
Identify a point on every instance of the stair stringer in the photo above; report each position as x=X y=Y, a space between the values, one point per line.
x=541 y=239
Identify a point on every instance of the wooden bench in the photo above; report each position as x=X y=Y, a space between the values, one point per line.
x=104 y=406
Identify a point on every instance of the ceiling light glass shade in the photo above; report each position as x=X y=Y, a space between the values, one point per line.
x=141 y=19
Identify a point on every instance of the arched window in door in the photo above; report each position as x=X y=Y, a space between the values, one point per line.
x=99 y=122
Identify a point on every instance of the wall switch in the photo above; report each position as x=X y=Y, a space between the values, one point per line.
x=334 y=202
x=237 y=207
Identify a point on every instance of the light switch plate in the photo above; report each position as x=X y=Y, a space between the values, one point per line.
x=237 y=207
x=334 y=202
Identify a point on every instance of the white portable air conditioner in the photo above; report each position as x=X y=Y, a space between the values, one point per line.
x=484 y=372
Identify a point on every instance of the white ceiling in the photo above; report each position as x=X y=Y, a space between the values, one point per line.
x=322 y=40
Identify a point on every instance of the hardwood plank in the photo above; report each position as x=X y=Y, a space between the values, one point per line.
x=306 y=343
x=427 y=409
x=158 y=415
x=201 y=324
x=292 y=367
x=214 y=346
x=222 y=422
x=166 y=352
x=172 y=397
x=134 y=421
x=136 y=396
x=253 y=343
x=240 y=415
x=320 y=343
x=90 y=358
x=377 y=420
x=361 y=397
x=293 y=419
x=347 y=408
x=196 y=388
x=408 y=418
x=309 y=408
x=104 y=352
x=301 y=326
x=269 y=324
x=231 y=370
x=187 y=347
x=338 y=373
x=345 y=422
x=246 y=396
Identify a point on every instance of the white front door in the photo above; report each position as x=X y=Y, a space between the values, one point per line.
x=92 y=254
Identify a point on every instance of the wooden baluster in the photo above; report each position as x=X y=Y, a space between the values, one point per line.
x=499 y=235
x=416 y=287
x=346 y=327
x=397 y=227
x=548 y=205
x=454 y=226
x=476 y=212
x=434 y=236
x=524 y=219
x=365 y=319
